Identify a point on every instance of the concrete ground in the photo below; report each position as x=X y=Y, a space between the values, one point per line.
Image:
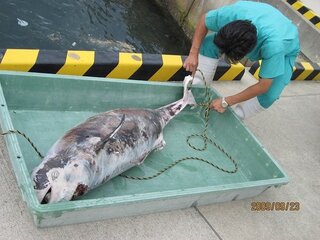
x=290 y=131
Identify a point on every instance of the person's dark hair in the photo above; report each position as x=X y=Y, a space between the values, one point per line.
x=236 y=39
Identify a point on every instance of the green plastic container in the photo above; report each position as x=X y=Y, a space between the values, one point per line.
x=45 y=106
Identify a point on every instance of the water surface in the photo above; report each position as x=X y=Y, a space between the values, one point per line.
x=113 y=25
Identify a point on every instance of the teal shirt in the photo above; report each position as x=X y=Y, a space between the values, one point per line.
x=277 y=36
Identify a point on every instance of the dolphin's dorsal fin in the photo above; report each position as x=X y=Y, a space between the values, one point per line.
x=103 y=141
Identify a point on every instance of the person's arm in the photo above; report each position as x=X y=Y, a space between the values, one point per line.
x=191 y=62
x=255 y=90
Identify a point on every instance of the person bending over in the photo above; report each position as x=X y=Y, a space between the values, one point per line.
x=254 y=30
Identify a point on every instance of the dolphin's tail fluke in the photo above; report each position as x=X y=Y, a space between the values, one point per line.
x=171 y=110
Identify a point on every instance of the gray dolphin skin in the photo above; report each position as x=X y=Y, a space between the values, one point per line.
x=101 y=148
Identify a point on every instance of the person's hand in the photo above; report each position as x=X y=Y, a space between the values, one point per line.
x=217 y=105
x=191 y=63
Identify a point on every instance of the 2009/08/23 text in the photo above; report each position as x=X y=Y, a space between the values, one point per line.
x=275 y=206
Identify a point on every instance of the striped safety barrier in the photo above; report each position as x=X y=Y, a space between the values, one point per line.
x=301 y=71
x=149 y=67
x=306 y=12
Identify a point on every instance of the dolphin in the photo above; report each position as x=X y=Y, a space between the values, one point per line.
x=102 y=147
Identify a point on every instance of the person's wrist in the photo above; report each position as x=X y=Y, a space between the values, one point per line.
x=229 y=101
x=193 y=53
x=224 y=103
x=194 y=50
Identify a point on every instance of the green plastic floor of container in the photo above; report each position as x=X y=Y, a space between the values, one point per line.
x=46 y=106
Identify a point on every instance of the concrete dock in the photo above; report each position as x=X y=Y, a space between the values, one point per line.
x=289 y=130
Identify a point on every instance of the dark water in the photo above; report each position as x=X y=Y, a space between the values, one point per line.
x=116 y=25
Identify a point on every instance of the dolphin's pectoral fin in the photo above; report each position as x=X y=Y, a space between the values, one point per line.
x=160 y=143
x=142 y=158
x=103 y=141
x=160 y=146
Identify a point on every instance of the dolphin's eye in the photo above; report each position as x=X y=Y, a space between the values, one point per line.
x=54 y=175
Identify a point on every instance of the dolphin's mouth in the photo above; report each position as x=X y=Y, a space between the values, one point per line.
x=80 y=190
x=46 y=197
x=43 y=194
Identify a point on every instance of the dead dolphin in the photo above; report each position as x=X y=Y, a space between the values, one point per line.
x=101 y=148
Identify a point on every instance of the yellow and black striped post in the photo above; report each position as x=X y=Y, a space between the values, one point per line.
x=306 y=12
x=301 y=71
x=148 y=67
x=306 y=71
